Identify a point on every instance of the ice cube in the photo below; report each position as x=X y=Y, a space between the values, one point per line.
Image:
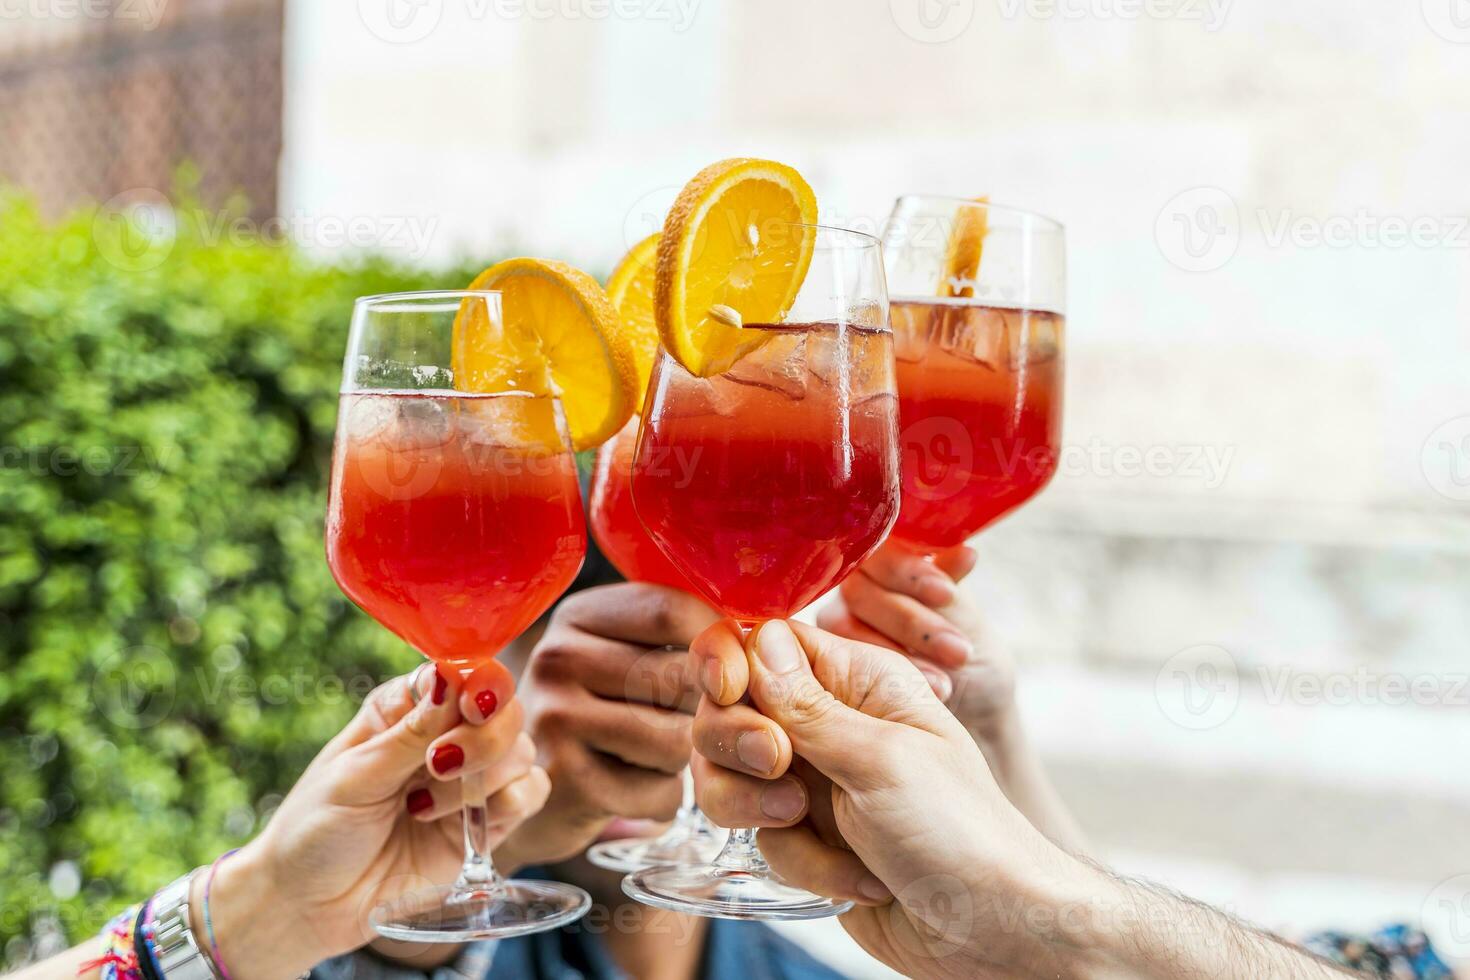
x=913 y=325
x=419 y=424
x=778 y=365
x=367 y=416
x=975 y=333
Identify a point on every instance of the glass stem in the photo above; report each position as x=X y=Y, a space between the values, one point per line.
x=741 y=854
x=688 y=808
x=478 y=873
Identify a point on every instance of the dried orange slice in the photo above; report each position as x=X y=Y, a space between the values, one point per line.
x=728 y=256
x=560 y=335
x=630 y=287
x=962 y=253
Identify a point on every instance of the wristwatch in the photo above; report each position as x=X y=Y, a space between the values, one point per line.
x=174 y=946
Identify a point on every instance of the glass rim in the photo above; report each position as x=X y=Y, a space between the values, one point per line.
x=865 y=240
x=411 y=298
x=971 y=202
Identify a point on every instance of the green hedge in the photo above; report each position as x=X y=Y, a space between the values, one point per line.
x=172 y=647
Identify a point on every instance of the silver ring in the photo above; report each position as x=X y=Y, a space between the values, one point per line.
x=413 y=683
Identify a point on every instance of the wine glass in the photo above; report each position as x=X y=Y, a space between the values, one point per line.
x=978 y=310
x=455 y=521
x=691 y=838
x=766 y=485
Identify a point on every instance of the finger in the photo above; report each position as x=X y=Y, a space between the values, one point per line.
x=918 y=629
x=484 y=690
x=517 y=801
x=638 y=612
x=387 y=703
x=844 y=705
x=957 y=562
x=803 y=860
x=615 y=669
x=739 y=737
x=898 y=569
x=835 y=618
x=733 y=799
x=376 y=769
x=468 y=748
x=637 y=734
x=588 y=785
x=448 y=797
x=718 y=659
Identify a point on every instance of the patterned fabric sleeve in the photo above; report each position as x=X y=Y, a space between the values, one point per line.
x=1396 y=952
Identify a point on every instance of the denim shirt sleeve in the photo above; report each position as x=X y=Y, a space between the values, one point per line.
x=472 y=963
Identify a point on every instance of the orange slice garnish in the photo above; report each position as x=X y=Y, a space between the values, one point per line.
x=964 y=249
x=559 y=335
x=729 y=255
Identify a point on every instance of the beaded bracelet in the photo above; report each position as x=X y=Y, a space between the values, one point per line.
x=219 y=961
x=119 y=959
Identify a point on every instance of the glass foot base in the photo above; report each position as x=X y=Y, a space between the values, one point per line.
x=696 y=845
x=448 y=914
x=727 y=893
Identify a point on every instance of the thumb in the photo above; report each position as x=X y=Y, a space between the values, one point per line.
x=837 y=699
x=394 y=729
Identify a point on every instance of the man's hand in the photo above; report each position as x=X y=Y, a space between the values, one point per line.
x=898 y=812
x=608 y=699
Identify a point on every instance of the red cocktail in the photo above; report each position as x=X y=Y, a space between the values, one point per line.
x=978 y=297
x=448 y=536
x=614 y=521
x=771 y=482
x=980 y=400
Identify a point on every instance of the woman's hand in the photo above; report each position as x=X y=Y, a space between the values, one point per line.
x=375 y=815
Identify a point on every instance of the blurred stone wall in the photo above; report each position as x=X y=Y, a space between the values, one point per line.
x=107 y=98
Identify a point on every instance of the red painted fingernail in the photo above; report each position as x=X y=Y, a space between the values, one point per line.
x=448 y=758
x=487 y=702
x=440 y=686
x=420 y=800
